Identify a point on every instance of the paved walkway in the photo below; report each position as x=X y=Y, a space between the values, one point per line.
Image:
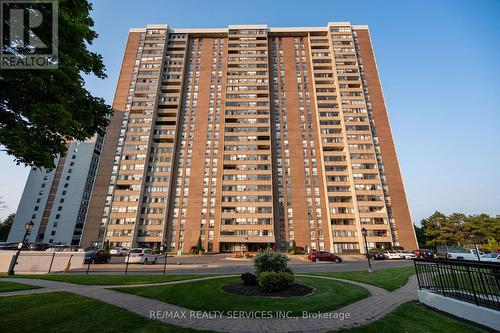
x=374 y=307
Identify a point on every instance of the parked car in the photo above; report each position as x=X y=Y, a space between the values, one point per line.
x=13 y=246
x=391 y=255
x=377 y=256
x=118 y=251
x=97 y=257
x=423 y=254
x=491 y=257
x=62 y=248
x=323 y=256
x=406 y=254
x=457 y=253
x=40 y=247
x=140 y=256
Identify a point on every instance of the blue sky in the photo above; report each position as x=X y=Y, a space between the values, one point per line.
x=439 y=63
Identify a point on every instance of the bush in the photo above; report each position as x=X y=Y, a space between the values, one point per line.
x=270 y=262
x=249 y=279
x=275 y=281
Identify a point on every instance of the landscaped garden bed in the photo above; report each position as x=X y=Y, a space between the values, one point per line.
x=273 y=287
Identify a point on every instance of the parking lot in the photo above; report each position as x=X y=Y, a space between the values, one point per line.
x=226 y=264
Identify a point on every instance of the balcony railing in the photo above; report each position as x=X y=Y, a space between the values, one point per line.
x=470 y=281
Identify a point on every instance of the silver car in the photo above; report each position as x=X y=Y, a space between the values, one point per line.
x=140 y=256
x=491 y=257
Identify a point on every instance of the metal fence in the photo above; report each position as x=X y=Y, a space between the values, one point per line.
x=469 y=281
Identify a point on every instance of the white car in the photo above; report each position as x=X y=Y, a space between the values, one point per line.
x=391 y=255
x=491 y=257
x=140 y=256
x=118 y=251
x=406 y=254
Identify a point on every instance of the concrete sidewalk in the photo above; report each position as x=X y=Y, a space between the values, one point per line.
x=380 y=303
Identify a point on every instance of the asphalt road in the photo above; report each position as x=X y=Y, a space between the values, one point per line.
x=220 y=264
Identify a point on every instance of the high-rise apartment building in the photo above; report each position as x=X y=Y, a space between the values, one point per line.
x=248 y=137
x=57 y=200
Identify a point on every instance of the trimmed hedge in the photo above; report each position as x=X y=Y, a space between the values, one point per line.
x=249 y=279
x=275 y=281
x=270 y=262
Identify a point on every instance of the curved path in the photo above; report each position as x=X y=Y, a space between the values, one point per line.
x=380 y=303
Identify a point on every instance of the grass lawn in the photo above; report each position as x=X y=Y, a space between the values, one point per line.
x=387 y=278
x=207 y=295
x=11 y=286
x=112 y=279
x=64 y=312
x=462 y=282
x=415 y=318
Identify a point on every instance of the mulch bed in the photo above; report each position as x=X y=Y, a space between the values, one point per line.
x=297 y=289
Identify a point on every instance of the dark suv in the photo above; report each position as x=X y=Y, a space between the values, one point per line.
x=97 y=257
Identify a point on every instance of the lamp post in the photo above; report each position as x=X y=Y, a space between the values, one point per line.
x=164 y=250
x=13 y=262
x=364 y=232
x=476 y=248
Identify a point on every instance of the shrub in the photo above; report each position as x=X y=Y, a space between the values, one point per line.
x=249 y=279
x=270 y=262
x=275 y=281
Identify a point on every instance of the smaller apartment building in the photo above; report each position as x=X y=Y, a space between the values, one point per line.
x=56 y=201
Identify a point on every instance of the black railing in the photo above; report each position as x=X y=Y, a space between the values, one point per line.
x=470 y=281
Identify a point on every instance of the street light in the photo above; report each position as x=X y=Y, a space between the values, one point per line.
x=364 y=232
x=13 y=262
x=164 y=250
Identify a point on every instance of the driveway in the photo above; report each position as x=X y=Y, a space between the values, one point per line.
x=224 y=264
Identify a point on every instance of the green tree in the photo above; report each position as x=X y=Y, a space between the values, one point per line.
x=42 y=109
x=458 y=229
x=479 y=228
x=421 y=239
x=492 y=245
x=199 y=246
x=432 y=229
x=452 y=230
x=5 y=226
